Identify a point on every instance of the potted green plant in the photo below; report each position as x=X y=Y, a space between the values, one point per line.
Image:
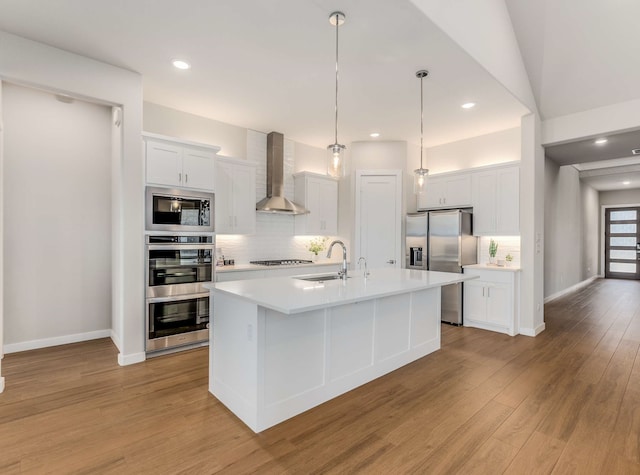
x=316 y=245
x=493 y=250
x=508 y=258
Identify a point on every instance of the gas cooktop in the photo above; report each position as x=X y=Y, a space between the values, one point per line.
x=281 y=262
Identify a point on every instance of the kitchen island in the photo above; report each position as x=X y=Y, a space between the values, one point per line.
x=280 y=346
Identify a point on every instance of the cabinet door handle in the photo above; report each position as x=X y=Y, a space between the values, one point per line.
x=391 y=261
x=489 y=292
x=483 y=291
x=186 y=178
x=179 y=177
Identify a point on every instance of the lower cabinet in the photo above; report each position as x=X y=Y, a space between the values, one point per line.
x=491 y=301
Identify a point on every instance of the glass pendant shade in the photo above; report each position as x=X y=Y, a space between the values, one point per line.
x=420 y=180
x=335 y=160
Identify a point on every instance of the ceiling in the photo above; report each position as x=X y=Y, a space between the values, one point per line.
x=580 y=55
x=270 y=65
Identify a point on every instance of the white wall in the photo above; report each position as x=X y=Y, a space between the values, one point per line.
x=231 y=139
x=532 y=243
x=57 y=240
x=499 y=147
x=24 y=61
x=620 y=197
x=571 y=229
x=608 y=119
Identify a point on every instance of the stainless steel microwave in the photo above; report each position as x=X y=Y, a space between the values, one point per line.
x=179 y=210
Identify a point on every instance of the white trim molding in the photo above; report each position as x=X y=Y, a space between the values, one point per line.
x=532 y=331
x=573 y=288
x=126 y=360
x=55 y=341
x=1 y=384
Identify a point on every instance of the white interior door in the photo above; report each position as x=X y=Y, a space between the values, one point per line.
x=379 y=218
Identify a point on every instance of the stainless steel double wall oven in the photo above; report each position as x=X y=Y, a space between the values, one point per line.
x=179 y=259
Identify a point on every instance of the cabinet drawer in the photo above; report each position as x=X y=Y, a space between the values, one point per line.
x=497 y=276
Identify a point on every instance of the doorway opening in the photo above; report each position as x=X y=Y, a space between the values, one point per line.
x=622 y=243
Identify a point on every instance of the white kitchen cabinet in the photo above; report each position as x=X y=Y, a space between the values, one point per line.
x=490 y=302
x=319 y=194
x=496 y=201
x=179 y=164
x=235 y=196
x=448 y=191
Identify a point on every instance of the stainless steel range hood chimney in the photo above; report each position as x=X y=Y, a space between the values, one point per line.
x=275 y=202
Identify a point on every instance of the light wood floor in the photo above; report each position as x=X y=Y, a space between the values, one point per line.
x=567 y=401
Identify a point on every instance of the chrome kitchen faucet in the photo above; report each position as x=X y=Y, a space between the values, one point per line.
x=343 y=271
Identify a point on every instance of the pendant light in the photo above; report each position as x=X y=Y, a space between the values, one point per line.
x=420 y=175
x=335 y=165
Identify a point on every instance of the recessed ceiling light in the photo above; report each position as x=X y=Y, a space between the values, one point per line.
x=626 y=182
x=601 y=141
x=374 y=135
x=468 y=105
x=180 y=64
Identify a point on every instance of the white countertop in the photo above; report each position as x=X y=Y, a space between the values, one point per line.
x=492 y=267
x=290 y=295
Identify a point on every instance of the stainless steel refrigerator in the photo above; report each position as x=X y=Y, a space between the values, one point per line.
x=445 y=237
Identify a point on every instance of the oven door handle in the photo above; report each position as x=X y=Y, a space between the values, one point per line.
x=177 y=298
x=177 y=247
x=176 y=274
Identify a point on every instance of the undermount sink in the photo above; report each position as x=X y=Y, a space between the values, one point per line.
x=319 y=278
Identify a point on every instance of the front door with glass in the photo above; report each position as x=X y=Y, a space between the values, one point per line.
x=622 y=243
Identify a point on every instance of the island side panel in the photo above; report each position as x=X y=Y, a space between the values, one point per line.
x=233 y=355
x=425 y=321
x=356 y=343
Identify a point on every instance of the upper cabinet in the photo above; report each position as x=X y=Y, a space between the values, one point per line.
x=446 y=191
x=235 y=209
x=319 y=194
x=496 y=201
x=180 y=164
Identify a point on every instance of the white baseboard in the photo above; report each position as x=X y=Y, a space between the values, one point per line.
x=533 y=331
x=125 y=360
x=1 y=384
x=116 y=340
x=55 y=341
x=573 y=288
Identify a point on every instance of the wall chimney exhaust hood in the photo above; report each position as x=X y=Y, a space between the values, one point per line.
x=275 y=202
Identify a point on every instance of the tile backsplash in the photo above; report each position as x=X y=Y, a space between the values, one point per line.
x=506 y=245
x=274 y=239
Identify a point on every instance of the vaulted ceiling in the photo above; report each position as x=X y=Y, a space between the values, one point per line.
x=270 y=65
